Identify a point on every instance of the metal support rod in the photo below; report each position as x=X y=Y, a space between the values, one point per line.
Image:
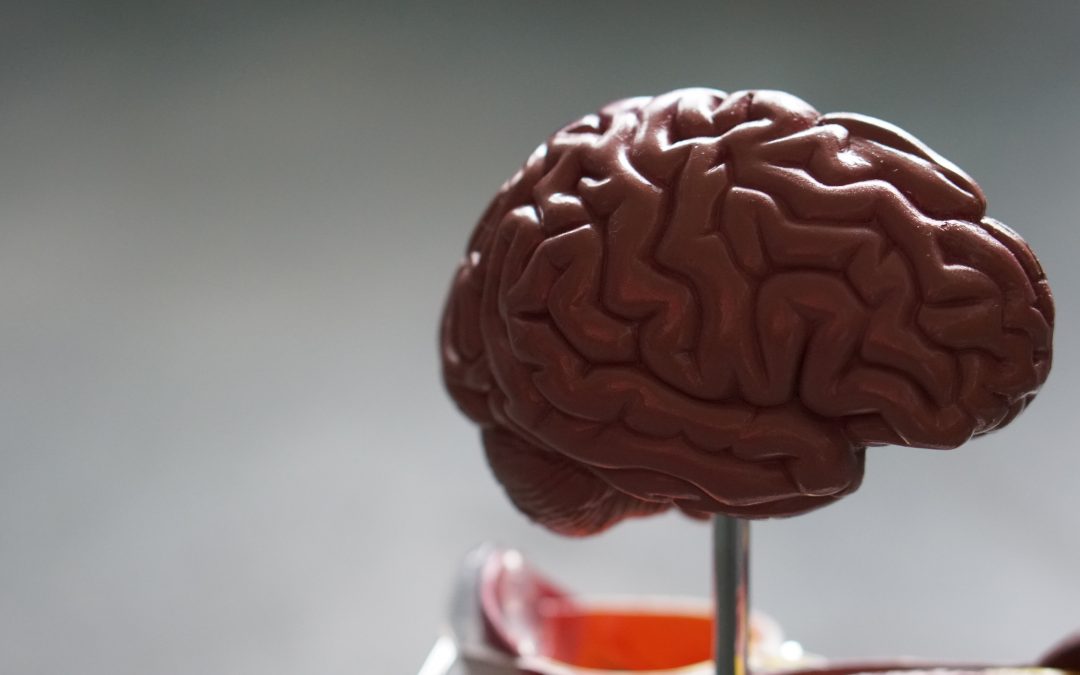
x=731 y=564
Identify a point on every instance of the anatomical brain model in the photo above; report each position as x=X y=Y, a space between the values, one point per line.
x=718 y=302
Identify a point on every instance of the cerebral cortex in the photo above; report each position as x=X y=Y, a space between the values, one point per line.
x=717 y=302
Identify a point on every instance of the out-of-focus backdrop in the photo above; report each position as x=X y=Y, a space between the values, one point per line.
x=226 y=230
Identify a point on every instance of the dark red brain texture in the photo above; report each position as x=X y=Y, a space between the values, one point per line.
x=718 y=302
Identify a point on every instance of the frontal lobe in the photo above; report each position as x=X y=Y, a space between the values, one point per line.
x=718 y=302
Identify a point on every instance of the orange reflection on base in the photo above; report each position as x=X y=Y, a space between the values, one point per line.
x=624 y=641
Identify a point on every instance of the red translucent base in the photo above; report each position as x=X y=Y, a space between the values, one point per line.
x=625 y=641
x=507 y=619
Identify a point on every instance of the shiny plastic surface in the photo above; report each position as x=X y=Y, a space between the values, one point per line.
x=717 y=302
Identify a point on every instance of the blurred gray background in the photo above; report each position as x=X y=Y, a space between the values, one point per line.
x=226 y=231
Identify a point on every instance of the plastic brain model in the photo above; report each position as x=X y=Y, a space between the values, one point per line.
x=718 y=302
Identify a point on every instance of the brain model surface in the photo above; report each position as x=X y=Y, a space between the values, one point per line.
x=718 y=302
